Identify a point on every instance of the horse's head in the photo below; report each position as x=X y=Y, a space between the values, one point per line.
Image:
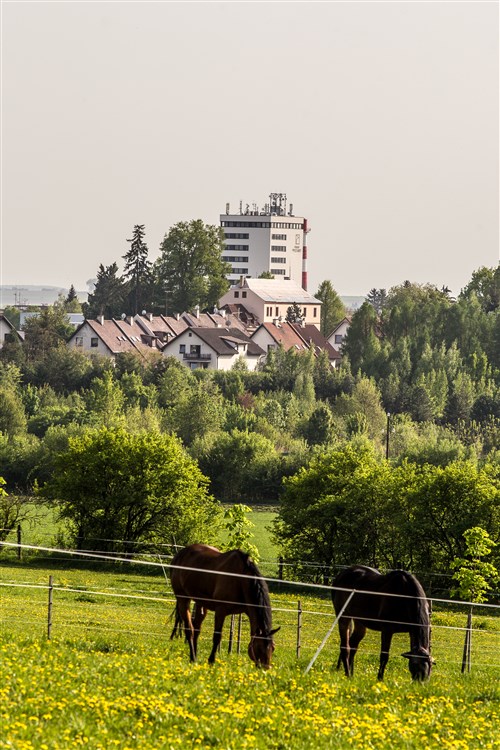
x=420 y=663
x=261 y=647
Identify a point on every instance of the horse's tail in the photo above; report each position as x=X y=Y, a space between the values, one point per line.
x=177 y=629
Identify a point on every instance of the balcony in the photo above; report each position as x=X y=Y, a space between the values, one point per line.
x=197 y=357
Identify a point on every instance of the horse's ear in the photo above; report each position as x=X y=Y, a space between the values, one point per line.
x=274 y=631
x=407 y=655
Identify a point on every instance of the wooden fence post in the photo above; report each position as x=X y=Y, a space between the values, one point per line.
x=466 y=656
x=231 y=633
x=19 y=540
x=280 y=569
x=49 y=613
x=299 y=626
x=239 y=635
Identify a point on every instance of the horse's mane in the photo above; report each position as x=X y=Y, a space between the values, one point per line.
x=259 y=593
x=407 y=584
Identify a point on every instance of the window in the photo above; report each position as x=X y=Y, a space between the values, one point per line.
x=235 y=258
x=182 y=348
x=78 y=340
x=94 y=341
x=278 y=248
x=269 y=311
x=315 y=312
x=244 y=294
x=236 y=235
x=241 y=271
x=278 y=271
x=278 y=260
x=277 y=311
x=236 y=294
x=278 y=236
x=237 y=247
x=338 y=338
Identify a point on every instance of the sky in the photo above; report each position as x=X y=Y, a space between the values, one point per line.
x=379 y=120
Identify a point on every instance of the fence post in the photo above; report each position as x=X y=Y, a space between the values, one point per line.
x=466 y=657
x=49 y=613
x=239 y=634
x=19 y=541
x=280 y=569
x=299 y=626
x=231 y=633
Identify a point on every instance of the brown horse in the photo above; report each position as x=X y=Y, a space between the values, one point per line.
x=377 y=606
x=227 y=583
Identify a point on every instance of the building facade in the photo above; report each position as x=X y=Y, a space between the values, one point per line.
x=271 y=239
x=269 y=299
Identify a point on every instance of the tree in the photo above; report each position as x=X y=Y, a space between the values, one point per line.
x=294 y=314
x=238 y=528
x=108 y=297
x=13 y=509
x=485 y=284
x=191 y=266
x=45 y=331
x=120 y=492
x=378 y=299
x=138 y=271
x=332 y=309
x=72 y=303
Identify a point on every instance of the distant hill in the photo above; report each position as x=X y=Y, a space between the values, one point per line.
x=352 y=303
x=34 y=295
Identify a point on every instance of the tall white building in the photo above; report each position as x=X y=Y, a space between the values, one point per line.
x=268 y=239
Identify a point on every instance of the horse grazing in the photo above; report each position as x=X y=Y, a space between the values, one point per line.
x=227 y=583
x=397 y=605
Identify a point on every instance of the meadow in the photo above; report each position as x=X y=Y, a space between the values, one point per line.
x=110 y=677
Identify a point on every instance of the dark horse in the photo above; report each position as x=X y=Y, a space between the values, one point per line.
x=397 y=605
x=227 y=583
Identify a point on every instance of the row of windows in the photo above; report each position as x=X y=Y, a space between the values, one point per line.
x=278 y=248
x=278 y=260
x=236 y=247
x=278 y=271
x=278 y=236
x=257 y=224
x=243 y=294
x=269 y=312
x=236 y=235
x=236 y=259
x=262 y=224
x=243 y=271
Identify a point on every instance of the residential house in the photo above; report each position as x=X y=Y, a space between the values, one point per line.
x=110 y=337
x=337 y=336
x=301 y=338
x=214 y=348
x=268 y=300
x=7 y=331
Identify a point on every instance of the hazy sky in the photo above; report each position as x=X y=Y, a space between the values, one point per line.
x=379 y=120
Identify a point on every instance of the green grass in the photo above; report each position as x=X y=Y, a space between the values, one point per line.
x=110 y=676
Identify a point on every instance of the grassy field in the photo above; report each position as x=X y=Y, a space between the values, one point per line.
x=110 y=676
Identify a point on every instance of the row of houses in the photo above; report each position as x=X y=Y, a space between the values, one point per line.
x=248 y=324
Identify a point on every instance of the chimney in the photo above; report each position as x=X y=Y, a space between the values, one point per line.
x=101 y=319
x=197 y=311
x=131 y=320
x=242 y=281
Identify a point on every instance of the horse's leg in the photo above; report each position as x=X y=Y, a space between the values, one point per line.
x=385 y=645
x=199 y=615
x=355 y=638
x=185 y=615
x=344 y=644
x=218 y=624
